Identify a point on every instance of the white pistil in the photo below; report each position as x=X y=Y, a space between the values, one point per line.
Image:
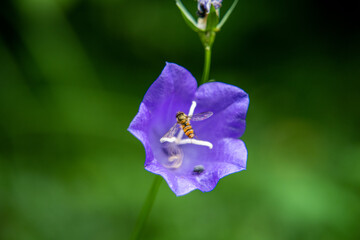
x=180 y=141
x=196 y=142
x=187 y=141
x=192 y=108
x=165 y=139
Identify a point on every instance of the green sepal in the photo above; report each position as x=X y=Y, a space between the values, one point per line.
x=187 y=16
x=212 y=19
x=207 y=38
x=227 y=15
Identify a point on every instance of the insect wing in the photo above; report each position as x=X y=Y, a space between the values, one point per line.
x=171 y=132
x=201 y=116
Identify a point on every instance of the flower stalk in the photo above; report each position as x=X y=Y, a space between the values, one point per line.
x=207 y=56
x=207 y=38
x=207 y=63
x=146 y=209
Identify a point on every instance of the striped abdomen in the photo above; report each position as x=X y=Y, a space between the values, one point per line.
x=188 y=129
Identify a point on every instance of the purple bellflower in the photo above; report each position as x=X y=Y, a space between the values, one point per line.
x=187 y=164
x=204 y=5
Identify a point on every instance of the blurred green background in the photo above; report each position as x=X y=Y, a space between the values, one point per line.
x=72 y=76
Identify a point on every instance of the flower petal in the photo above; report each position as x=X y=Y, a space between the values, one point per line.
x=229 y=156
x=174 y=82
x=180 y=185
x=172 y=91
x=229 y=105
x=139 y=127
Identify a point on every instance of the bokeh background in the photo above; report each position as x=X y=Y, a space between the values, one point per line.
x=72 y=76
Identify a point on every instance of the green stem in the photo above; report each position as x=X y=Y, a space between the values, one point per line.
x=207 y=39
x=207 y=62
x=145 y=211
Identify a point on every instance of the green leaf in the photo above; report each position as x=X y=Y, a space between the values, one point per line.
x=227 y=15
x=187 y=16
x=212 y=19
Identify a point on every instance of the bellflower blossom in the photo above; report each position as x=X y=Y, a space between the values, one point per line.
x=204 y=6
x=187 y=164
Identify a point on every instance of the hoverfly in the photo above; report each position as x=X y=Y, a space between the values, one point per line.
x=184 y=121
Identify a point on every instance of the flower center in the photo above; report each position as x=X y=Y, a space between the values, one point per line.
x=171 y=144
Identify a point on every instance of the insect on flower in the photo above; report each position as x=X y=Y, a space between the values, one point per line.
x=190 y=163
x=184 y=121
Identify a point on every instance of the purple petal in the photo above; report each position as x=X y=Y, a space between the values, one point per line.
x=173 y=91
x=139 y=127
x=174 y=83
x=228 y=156
x=229 y=105
x=180 y=185
x=231 y=156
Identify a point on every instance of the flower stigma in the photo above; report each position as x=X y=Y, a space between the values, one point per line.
x=170 y=145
